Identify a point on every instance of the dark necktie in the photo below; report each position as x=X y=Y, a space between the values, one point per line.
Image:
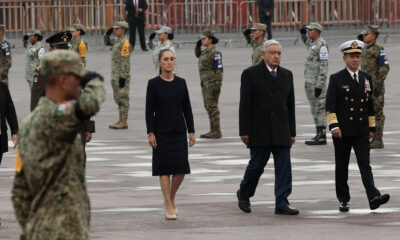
x=273 y=73
x=355 y=78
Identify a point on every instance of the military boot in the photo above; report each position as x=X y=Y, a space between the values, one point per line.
x=112 y=126
x=215 y=130
x=123 y=124
x=320 y=139
x=377 y=142
x=206 y=134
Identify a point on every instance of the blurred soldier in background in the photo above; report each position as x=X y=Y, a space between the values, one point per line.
x=49 y=194
x=315 y=74
x=165 y=35
x=5 y=56
x=211 y=70
x=77 y=43
x=34 y=52
x=375 y=63
x=255 y=37
x=120 y=68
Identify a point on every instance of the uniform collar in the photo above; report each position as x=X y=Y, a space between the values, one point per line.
x=352 y=74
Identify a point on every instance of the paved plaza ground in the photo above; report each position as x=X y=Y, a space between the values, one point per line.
x=126 y=200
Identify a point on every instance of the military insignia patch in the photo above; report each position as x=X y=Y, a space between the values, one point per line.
x=382 y=60
x=82 y=49
x=323 y=53
x=217 y=61
x=64 y=109
x=18 y=162
x=367 y=85
x=5 y=47
x=126 y=49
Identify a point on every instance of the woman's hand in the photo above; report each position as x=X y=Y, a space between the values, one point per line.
x=192 y=139
x=14 y=139
x=152 y=140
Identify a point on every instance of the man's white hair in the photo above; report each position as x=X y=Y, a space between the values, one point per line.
x=271 y=42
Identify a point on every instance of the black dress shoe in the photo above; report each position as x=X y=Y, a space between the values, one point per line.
x=377 y=201
x=244 y=203
x=286 y=211
x=344 y=207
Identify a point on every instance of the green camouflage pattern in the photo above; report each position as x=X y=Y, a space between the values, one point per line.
x=315 y=76
x=5 y=59
x=33 y=54
x=211 y=82
x=75 y=47
x=61 y=62
x=370 y=64
x=49 y=194
x=257 y=49
x=120 y=68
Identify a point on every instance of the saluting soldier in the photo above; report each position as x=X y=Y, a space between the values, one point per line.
x=211 y=72
x=120 y=70
x=5 y=56
x=315 y=75
x=375 y=63
x=49 y=193
x=165 y=35
x=34 y=52
x=350 y=111
x=255 y=36
x=77 y=43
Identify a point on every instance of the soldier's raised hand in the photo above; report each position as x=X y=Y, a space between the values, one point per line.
x=247 y=32
x=198 y=44
x=90 y=76
x=110 y=31
x=303 y=30
x=152 y=36
x=318 y=92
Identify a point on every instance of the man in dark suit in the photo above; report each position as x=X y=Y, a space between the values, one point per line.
x=267 y=124
x=135 y=18
x=266 y=13
x=7 y=114
x=350 y=110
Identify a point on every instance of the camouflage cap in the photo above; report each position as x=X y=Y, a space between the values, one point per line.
x=121 y=25
x=314 y=25
x=164 y=29
x=2 y=27
x=259 y=26
x=370 y=29
x=34 y=32
x=76 y=27
x=208 y=34
x=61 y=62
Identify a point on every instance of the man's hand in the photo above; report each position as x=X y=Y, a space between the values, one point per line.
x=267 y=13
x=152 y=36
x=88 y=136
x=110 y=31
x=371 y=135
x=122 y=82
x=318 y=92
x=89 y=76
x=14 y=139
x=303 y=30
x=360 y=37
x=245 y=139
x=292 y=140
x=337 y=133
x=198 y=44
x=247 y=32
x=192 y=139
x=152 y=140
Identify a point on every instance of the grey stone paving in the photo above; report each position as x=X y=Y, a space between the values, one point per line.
x=127 y=202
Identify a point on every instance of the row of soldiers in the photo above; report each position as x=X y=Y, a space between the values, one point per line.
x=374 y=62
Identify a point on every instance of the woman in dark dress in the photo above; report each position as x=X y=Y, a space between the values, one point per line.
x=168 y=117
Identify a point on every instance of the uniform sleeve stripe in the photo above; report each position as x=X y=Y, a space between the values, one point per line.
x=371 y=120
x=332 y=118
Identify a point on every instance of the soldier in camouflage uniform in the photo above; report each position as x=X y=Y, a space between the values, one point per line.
x=120 y=68
x=315 y=75
x=34 y=52
x=49 y=193
x=211 y=70
x=165 y=35
x=375 y=63
x=77 y=43
x=255 y=37
x=5 y=56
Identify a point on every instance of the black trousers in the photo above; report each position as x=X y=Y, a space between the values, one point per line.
x=343 y=147
x=267 y=21
x=139 y=24
x=1 y=157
